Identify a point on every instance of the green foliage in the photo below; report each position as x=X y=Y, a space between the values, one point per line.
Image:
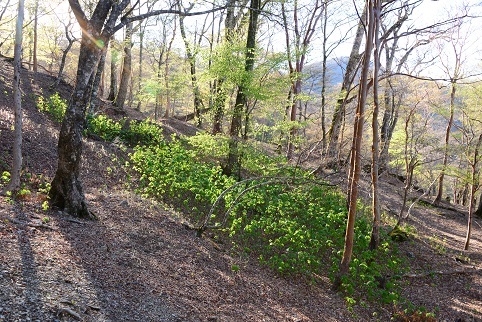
x=414 y=315
x=293 y=228
x=206 y=146
x=5 y=178
x=104 y=127
x=141 y=133
x=54 y=105
x=170 y=171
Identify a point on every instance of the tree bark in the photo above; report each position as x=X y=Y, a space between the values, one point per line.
x=65 y=52
x=35 y=37
x=191 y=57
x=14 y=183
x=233 y=164
x=114 y=60
x=66 y=192
x=126 y=69
x=375 y=235
x=93 y=106
x=141 y=63
x=473 y=184
x=356 y=147
x=350 y=72
x=440 y=188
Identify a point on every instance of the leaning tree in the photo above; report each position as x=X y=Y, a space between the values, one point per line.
x=107 y=18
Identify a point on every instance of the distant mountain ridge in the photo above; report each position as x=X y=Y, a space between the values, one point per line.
x=335 y=69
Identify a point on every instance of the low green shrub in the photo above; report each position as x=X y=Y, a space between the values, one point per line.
x=170 y=171
x=141 y=133
x=53 y=105
x=103 y=126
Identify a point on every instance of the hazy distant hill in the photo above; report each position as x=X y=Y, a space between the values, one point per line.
x=335 y=69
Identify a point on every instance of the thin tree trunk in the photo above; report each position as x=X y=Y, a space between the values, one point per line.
x=218 y=106
x=14 y=183
x=438 y=198
x=192 y=64
x=141 y=61
x=233 y=164
x=375 y=236
x=473 y=184
x=166 y=74
x=219 y=91
x=93 y=106
x=113 y=71
x=350 y=72
x=126 y=69
x=356 y=148
x=35 y=37
x=65 y=52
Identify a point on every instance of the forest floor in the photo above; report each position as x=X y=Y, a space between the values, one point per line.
x=138 y=262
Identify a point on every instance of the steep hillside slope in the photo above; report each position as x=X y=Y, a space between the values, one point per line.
x=138 y=262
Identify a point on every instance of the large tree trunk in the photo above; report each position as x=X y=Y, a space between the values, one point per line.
x=356 y=148
x=126 y=69
x=14 y=183
x=66 y=192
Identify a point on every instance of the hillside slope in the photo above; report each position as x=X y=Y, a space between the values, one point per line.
x=138 y=262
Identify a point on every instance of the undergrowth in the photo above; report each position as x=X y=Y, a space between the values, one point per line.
x=292 y=222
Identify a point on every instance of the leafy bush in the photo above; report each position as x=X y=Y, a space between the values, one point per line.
x=169 y=171
x=141 y=133
x=104 y=127
x=54 y=105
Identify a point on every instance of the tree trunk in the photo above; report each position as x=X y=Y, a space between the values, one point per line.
x=93 y=106
x=233 y=164
x=14 y=183
x=356 y=148
x=166 y=74
x=66 y=192
x=438 y=198
x=219 y=91
x=198 y=104
x=218 y=106
x=113 y=71
x=65 y=52
x=126 y=69
x=35 y=37
x=350 y=72
x=473 y=183
x=375 y=236
x=141 y=61
x=478 y=212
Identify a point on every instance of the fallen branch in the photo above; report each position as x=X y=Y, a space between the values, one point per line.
x=74 y=314
x=75 y=221
x=23 y=223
